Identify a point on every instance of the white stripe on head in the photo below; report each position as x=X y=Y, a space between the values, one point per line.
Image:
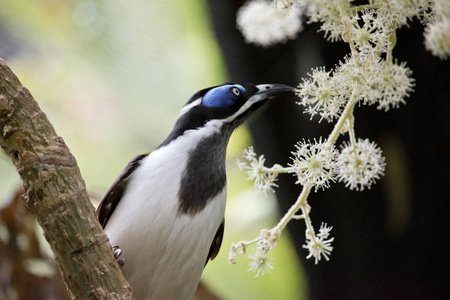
x=241 y=110
x=188 y=107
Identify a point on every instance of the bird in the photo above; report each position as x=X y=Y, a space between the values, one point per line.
x=165 y=212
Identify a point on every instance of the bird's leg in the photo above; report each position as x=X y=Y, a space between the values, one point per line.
x=117 y=253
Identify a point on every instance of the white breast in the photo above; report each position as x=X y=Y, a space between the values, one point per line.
x=165 y=253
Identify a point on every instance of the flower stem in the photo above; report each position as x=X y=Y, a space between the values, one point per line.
x=351 y=130
x=300 y=203
x=346 y=114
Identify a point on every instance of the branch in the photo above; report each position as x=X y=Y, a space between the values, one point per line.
x=56 y=195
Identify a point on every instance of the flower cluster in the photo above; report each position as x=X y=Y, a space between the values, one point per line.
x=318 y=163
x=264 y=24
x=395 y=84
x=326 y=12
x=319 y=245
x=368 y=75
x=369 y=32
x=313 y=163
x=320 y=95
x=360 y=165
x=260 y=262
x=264 y=178
x=363 y=76
x=437 y=38
x=264 y=244
x=437 y=33
x=402 y=11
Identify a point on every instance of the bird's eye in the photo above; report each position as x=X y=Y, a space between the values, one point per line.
x=236 y=91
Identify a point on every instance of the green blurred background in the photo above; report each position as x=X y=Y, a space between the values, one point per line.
x=112 y=77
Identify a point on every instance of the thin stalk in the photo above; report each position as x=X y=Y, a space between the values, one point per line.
x=351 y=130
x=347 y=113
x=300 y=203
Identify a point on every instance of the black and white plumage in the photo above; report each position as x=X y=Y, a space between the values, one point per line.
x=166 y=209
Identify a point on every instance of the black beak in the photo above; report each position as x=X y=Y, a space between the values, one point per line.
x=268 y=91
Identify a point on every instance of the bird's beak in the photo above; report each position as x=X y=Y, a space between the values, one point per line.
x=268 y=91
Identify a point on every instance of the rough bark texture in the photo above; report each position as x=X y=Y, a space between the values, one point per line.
x=56 y=194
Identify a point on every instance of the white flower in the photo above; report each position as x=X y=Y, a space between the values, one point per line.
x=327 y=12
x=267 y=241
x=260 y=263
x=249 y=153
x=442 y=8
x=401 y=11
x=320 y=95
x=283 y=4
x=369 y=32
x=264 y=25
x=361 y=166
x=324 y=231
x=241 y=164
x=397 y=84
x=319 y=245
x=437 y=38
x=314 y=164
x=361 y=75
x=264 y=179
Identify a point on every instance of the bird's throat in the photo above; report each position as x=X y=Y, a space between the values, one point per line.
x=204 y=177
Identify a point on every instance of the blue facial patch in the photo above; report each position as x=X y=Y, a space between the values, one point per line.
x=223 y=96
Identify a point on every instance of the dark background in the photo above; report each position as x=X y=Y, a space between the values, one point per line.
x=390 y=241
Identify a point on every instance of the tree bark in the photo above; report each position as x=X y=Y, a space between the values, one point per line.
x=56 y=195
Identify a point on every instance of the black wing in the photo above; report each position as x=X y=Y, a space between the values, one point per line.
x=217 y=242
x=115 y=192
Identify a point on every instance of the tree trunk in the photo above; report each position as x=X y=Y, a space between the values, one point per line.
x=56 y=195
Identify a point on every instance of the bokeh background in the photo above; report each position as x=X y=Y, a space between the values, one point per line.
x=112 y=76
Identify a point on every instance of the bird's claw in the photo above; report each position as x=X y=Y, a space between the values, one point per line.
x=117 y=253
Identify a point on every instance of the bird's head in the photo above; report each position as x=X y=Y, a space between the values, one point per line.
x=228 y=105
x=232 y=103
